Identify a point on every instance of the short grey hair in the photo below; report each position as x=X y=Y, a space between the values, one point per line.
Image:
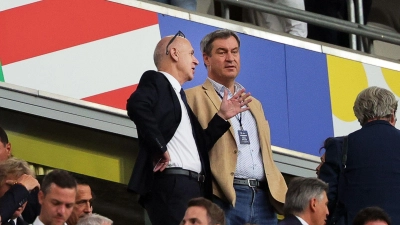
x=300 y=192
x=94 y=219
x=206 y=43
x=15 y=167
x=374 y=103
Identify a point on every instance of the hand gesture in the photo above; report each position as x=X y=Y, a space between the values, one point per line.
x=229 y=108
x=161 y=162
x=27 y=180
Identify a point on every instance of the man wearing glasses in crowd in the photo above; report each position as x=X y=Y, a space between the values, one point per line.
x=172 y=166
x=83 y=202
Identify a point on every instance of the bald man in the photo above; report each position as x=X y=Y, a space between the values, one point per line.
x=173 y=166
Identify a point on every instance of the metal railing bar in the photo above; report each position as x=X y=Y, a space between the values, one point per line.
x=319 y=20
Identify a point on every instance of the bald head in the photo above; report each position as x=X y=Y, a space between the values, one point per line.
x=160 y=55
x=180 y=61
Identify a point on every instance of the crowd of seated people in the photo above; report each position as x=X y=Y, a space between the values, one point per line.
x=60 y=199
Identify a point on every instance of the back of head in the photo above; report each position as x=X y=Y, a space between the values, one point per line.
x=374 y=103
x=300 y=192
x=206 y=43
x=94 y=219
x=61 y=178
x=215 y=214
x=15 y=167
x=371 y=214
x=3 y=136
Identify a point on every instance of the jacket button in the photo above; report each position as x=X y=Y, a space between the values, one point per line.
x=232 y=173
x=235 y=151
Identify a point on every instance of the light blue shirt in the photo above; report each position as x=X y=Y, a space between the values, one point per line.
x=249 y=161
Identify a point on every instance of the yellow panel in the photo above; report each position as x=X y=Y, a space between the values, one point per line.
x=392 y=78
x=347 y=78
x=67 y=157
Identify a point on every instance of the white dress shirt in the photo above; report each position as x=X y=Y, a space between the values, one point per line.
x=249 y=160
x=182 y=147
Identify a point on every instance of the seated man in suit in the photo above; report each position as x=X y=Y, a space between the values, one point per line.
x=83 y=202
x=32 y=209
x=95 y=219
x=10 y=171
x=57 y=197
x=372 y=216
x=306 y=202
x=173 y=165
x=5 y=146
x=203 y=211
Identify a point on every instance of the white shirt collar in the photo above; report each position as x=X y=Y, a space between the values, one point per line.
x=302 y=221
x=173 y=81
x=38 y=222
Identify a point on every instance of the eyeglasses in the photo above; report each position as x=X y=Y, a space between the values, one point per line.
x=179 y=34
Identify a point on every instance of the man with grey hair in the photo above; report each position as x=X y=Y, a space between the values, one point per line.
x=306 y=202
x=94 y=219
x=372 y=172
x=247 y=185
x=16 y=181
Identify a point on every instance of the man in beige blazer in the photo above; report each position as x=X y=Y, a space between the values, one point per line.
x=246 y=182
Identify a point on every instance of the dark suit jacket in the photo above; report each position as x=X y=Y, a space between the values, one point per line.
x=331 y=173
x=372 y=174
x=15 y=197
x=155 y=109
x=290 y=220
x=32 y=209
x=20 y=221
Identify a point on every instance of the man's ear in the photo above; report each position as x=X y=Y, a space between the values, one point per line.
x=8 y=149
x=41 y=197
x=174 y=54
x=313 y=204
x=393 y=119
x=206 y=60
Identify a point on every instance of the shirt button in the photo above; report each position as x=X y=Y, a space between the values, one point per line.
x=232 y=173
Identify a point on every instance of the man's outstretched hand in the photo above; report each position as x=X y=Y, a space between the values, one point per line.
x=230 y=108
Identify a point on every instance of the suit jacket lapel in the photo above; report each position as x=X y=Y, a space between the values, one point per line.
x=174 y=97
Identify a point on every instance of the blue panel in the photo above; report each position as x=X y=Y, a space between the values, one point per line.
x=194 y=32
x=262 y=71
x=263 y=74
x=310 y=114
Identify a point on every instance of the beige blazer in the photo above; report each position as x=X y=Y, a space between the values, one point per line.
x=205 y=102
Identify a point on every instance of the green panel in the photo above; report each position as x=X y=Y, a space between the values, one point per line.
x=77 y=149
x=1 y=73
x=64 y=156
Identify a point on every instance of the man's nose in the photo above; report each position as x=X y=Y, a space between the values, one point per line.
x=229 y=56
x=61 y=210
x=88 y=208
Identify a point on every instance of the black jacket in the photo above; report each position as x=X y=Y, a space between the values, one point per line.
x=155 y=109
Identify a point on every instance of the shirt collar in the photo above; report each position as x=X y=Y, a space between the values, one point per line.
x=220 y=88
x=173 y=81
x=303 y=222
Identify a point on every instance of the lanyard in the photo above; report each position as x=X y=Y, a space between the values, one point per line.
x=236 y=116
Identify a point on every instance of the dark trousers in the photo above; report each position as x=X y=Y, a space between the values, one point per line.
x=167 y=201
